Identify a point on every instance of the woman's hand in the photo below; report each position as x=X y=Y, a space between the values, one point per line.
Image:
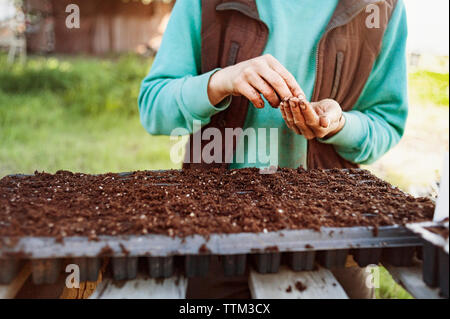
x=262 y=75
x=321 y=119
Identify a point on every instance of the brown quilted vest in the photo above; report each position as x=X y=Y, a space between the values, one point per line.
x=232 y=32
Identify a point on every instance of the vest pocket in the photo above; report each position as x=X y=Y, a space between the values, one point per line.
x=337 y=74
x=232 y=53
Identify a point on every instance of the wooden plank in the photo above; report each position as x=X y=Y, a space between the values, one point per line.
x=320 y=284
x=85 y=290
x=142 y=288
x=10 y=291
x=411 y=279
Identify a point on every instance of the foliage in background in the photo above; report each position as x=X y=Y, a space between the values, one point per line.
x=78 y=114
x=389 y=289
x=429 y=87
x=86 y=86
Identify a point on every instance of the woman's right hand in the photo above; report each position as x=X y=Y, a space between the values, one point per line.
x=263 y=75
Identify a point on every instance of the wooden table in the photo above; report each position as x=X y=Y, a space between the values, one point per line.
x=320 y=283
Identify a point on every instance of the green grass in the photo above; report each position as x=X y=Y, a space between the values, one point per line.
x=389 y=289
x=80 y=114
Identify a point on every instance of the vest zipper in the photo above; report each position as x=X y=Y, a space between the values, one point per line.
x=337 y=74
x=331 y=27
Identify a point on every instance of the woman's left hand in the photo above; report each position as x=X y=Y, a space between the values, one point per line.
x=321 y=119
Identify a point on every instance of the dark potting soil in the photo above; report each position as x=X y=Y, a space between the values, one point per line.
x=186 y=202
x=300 y=286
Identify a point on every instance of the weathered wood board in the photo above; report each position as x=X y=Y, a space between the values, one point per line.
x=142 y=288
x=411 y=279
x=320 y=284
x=10 y=291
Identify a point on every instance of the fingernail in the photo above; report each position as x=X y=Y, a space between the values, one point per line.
x=324 y=121
x=291 y=103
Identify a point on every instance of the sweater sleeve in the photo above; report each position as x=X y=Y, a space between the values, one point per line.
x=174 y=93
x=377 y=121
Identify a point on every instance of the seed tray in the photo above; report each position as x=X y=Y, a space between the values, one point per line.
x=163 y=255
x=300 y=249
x=435 y=257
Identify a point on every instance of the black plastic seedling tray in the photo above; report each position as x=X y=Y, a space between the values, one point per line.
x=163 y=255
x=300 y=249
x=434 y=255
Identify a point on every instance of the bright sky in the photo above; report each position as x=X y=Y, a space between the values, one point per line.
x=428 y=22
x=6 y=9
x=428 y=26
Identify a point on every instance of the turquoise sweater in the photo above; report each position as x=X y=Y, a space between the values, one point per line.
x=174 y=93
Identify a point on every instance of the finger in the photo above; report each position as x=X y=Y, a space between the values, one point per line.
x=311 y=117
x=289 y=119
x=329 y=113
x=290 y=80
x=324 y=121
x=250 y=93
x=288 y=112
x=299 y=120
x=283 y=113
x=264 y=88
x=275 y=81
